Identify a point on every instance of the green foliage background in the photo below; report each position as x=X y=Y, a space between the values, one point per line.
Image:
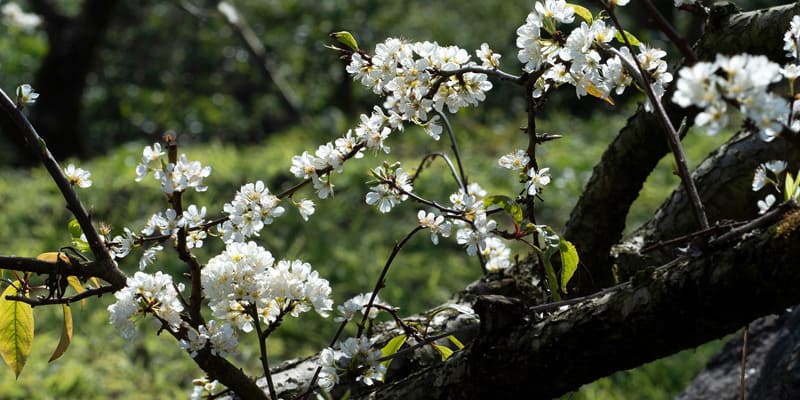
x=199 y=83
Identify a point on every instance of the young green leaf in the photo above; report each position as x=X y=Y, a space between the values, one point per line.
x=552 y=245
x=552 y=281
x=74 y=228
x=506 y=203
x=582 y=12
x=631 y=38
x=66 y=334
x=392 y=347
x=569 y=262
x=444 y=351
x=345 y=38
x=16 y=329
x=790 y=186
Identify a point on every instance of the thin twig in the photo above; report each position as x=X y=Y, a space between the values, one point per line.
x=669 y=130
x=454 y=145
x=381 y=282
x=64 y=300
x=262 y=344
x=742 y=388
x=666 y=27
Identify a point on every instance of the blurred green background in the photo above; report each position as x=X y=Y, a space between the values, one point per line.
x=177 y=66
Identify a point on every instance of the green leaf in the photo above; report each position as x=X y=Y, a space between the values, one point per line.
x=456 y=342
x=74 y=228
x=790 y=186
x=506 y=203
x=345 y=38
x=631 y=38
x=552 y=281
x=75 y=232
x=66 y=334
x=582 y=12
x=392 y=347
x=444 y=351
x=552 y=243
x=569 y=262
x=16 y=330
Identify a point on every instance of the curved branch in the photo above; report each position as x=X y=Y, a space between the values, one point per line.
x=598 y=219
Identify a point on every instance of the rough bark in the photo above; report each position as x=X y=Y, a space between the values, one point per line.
x=598 y=219
x=522 y=351
x=723 y=180
x=528 y=352
x=772 y=368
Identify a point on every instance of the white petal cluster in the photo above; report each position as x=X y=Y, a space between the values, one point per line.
x=354 y=355
x=393 y=188
x=146 y=294
x=435 y=223
x=496 y=254
x=173 y=177
x=356 y=305
x=741 y=80
x=244 y=279
x=415 y=79
x=252 y=208
x=78 y=176
x=474 y=236
x=576 y=60
x=14 y=16
x=768 y=173
x=539 y=179
x=26 y=94
x=791 y=39
x=516 y=161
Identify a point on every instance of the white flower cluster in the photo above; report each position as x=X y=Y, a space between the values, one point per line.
x=252 y=208
x=761 y=180
x=409 y=74
x=393 y=188
x=13 y=15
x=576 y=60
x=78 y=176
x=355 y=355
x=244 y=281
x=477 y=236
x=26 y=94
x=356 y=305
x=220 y=336
x=791 y=39
x=742 y=80
x=174 y=177
x=416 y=79
x=166 y=223
x=146 y=294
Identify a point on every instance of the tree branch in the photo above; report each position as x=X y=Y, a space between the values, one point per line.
x=598 y=219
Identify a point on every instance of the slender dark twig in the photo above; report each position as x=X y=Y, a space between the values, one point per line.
x=262 y=345
x=381 y=283
x=673 y=136
x=742 y=388
x=456 y=153
x=674 y=37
